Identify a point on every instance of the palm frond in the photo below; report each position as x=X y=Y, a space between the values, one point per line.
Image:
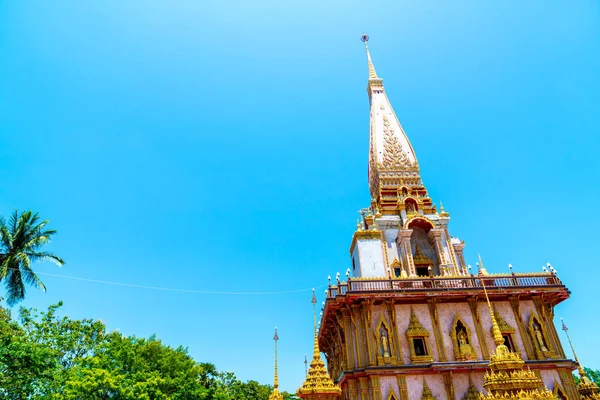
x=40 y=256
x=28 y=275
x=15 y=289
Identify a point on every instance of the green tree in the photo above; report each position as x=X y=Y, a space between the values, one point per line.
x=25 y=367
x=21 y=239
x=51 y=357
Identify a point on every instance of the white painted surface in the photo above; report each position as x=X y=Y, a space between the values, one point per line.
x=370 y=256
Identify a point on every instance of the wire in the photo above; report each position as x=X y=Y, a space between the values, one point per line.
x=173 y=289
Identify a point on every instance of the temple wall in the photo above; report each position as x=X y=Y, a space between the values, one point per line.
x=414 y=385
x=370 y=257
x=389 y=384
x=403 y=320
x=549 y=377
x=447 y=312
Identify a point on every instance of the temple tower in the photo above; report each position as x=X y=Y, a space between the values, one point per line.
x=411 y=320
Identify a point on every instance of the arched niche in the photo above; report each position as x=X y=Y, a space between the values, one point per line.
x=558 y=391
x=539 y=337
x=422 y=248
x=411 y=206
x=461 y=341
x=385 y=343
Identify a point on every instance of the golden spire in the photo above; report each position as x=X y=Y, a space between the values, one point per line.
x=372 y=73
x=587 y=389
x=318 y=384
x=276 y=395
x=498 y=338
x=482 y=269
x=507 y=377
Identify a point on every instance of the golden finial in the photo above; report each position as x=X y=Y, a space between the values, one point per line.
x=482 y=269
x=372 y=73
x=443 y=212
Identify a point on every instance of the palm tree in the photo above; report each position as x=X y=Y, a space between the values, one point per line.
x=21 y=238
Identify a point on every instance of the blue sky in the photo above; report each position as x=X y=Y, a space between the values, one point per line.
x=222 y=146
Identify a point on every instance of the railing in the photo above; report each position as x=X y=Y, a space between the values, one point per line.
x=357 y=285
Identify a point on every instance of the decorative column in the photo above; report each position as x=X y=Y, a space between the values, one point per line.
x=375 y=387
x=439 y=339
x=459 y=251
x=392 y=311
x=403 y=240
x=436 y=236
x=371 y=347
x=516 y=307
x=449 y=385
x=364 y=388
x=402 y=390
x=485 y=353
x=356 y=317
x=350 y=364
x=353 y=390
x=568 y=383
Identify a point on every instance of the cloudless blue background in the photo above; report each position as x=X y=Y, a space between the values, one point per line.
x=222 y=145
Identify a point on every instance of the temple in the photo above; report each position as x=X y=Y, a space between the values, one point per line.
x=412 y=320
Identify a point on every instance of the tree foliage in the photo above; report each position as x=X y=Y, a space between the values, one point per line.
x=592 y=374
x=45 y=356
x=22 y=238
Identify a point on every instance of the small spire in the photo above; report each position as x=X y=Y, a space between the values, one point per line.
x=305 y=365
x=372 y=73
x=316 y=351
x=579 y=367
x=276 y=379
x=275 y=395
x=482 y=270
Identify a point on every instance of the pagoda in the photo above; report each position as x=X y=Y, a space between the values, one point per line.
x=412 y=320
x=318 y=385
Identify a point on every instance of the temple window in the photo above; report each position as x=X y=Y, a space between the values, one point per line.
x=420 y=346
x=508 y=341
x=507 y=331
x=417 y=337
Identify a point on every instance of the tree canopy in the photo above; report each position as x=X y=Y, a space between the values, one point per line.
x=46 y=356
x=22 y=238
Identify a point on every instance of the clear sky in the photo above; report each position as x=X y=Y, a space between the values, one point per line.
x=222 y=146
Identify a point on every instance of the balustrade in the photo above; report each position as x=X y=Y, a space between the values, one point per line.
x=448 y=283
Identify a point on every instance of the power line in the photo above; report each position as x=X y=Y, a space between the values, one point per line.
x=173 y=289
